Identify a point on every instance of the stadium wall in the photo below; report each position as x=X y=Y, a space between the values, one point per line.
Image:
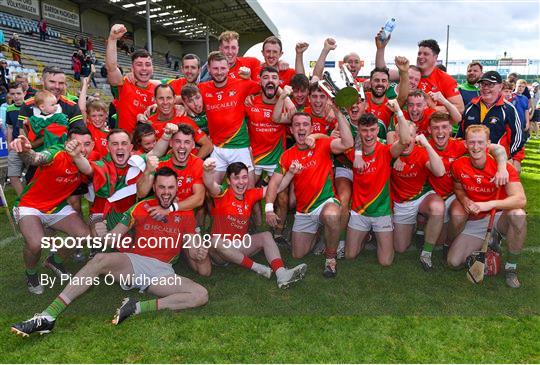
x=95 y=23
x=61 y=12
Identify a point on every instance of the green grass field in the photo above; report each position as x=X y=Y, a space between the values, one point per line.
x=367 y=314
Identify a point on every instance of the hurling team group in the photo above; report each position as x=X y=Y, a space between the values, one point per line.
x=237 y=144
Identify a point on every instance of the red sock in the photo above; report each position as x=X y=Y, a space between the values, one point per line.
x=246 y=262
x=330 y=253
x=276 y=264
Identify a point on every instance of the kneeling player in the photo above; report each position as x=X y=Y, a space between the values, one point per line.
x=142 y=266
x=477 y=194
x=230 y=211
x=371 y=209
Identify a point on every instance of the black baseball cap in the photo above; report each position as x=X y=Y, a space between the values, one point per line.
x=491 y=76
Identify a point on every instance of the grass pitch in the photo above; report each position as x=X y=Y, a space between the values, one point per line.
x=367 y=314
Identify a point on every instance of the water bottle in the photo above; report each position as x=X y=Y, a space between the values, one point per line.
x=388 y=28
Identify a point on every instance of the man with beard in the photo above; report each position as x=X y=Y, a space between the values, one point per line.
x=477 y=194
x=191 y=68
x=224 y=100
x=164 y=96
x=433 y=79
x=376 y=99
x=231 y=208
x=371 y=207
x=499 y=115
x=267 y=139
x=469 y=90
x=133 y=97
x=43 y=202
x=137 y=266
x=190 y=193
x=316 y=203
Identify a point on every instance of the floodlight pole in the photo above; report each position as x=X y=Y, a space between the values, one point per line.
x=148 y=27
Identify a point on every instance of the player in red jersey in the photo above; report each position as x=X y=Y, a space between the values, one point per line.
x=477 y=194
x=191 y=68
x=43 y=201
x=224 y=101
x=376 y=99
x=140 y=264
x=239 y=67
x=166 y=113
x=412 y=196
x=231 y=210
x=433 y=79
x=371 y=204
x=193 y=102
x=272 y=50
x=316 y=203
x=133 y=97
x=190 y=194
x=450 y=149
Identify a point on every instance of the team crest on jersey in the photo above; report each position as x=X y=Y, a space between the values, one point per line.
x=494 y=120
x=177 y=219
x=188 y=180
x=310 y=153
x=232 y=93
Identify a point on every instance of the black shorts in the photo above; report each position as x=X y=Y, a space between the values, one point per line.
x=536 y=115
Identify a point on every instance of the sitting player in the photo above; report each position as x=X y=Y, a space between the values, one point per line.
x=231 y=210
x=477 y=194
x=142 y=266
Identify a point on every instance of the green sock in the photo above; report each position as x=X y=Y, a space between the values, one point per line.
x=427 y=249
x=512 y=261
x=31 y=272
x=57 y=259
x=147 y=306
x=56 y=307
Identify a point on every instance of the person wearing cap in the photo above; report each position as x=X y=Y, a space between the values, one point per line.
x=493 y=111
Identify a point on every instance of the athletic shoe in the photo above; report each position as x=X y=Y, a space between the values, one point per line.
x=426 y=263
x=287 y=277
x=262 y=270
x=330 y=270
x=282 y=242
x=319 y=246
x=58 y=268
x=38 y=323
x=512 y=279
x=78 y=256
x=33 y=284
x=340 y=254
x=127 y=309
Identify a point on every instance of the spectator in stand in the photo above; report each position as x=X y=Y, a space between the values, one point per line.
x=89 y=44
x=176 y=65
x=76 y=65
x=82 y=44
x=42 y=27
x=168 y=59
x=2 y=40
x=15 y=46
x=4 y=74
x=88 y=69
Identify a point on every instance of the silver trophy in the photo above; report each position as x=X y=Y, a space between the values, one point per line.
x=344 y=91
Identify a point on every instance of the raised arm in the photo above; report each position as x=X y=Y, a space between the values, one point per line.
x=435 y=163
x=161 y=146
x=144 y=184
x=22 y=145
x=114 y=76
x=209 y=167
x=329 y=45
x=379 y=55
x=438 y=97
x=403 y=129
x=280 y=114
x=299 y=60
x=85 y=81
x=346 y=139
x=402 y=64
x=74 y=149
